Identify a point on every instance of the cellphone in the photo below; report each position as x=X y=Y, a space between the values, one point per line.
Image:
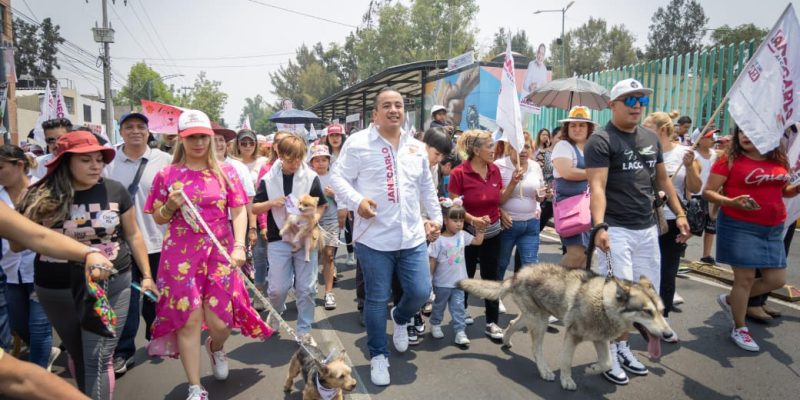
x=751 y=202
x=149 y=294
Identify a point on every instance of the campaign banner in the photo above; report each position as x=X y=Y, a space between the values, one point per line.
x=163 y=118
x=509 y=116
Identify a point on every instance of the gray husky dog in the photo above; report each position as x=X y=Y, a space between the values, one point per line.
x=592 y=307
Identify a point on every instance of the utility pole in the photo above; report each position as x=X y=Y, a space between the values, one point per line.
x=563 y=12
x=105 y=35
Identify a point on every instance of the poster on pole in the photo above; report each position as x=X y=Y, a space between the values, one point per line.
x=163 y=117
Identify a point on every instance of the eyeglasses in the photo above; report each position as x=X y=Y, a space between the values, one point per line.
x=247 y=143
x=631 y=101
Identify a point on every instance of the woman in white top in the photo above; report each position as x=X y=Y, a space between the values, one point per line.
x=522 y=206
x=704 y=157
x=675 y=154
x=246 y=149
x=570 y=176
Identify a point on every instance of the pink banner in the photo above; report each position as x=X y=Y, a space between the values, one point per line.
x=163 y=117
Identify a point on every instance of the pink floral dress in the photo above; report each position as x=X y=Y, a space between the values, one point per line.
x=192 y=271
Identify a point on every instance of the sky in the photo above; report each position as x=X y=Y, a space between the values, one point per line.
x=239 y=42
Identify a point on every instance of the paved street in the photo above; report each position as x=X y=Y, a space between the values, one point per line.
x=705 y=365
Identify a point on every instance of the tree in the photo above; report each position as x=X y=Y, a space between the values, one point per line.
x=259 y=112
x=593 y=47
x=36 y=48
x=519 y=44
x=144 y=83
x=309 y=78
x=678 y=29
x=205 y=95
x=725 y=35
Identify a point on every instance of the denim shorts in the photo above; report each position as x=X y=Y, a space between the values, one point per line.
x=746 y=245
x=581 y=239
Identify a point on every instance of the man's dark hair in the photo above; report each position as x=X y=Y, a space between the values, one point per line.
x=684 y=120
x=452 y=159
x=438 y=139
x=57 y=123
x=384 y=89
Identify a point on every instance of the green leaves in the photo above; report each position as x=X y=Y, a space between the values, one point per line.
x=144 y=83
x=593 y=47
x=36 y=48
x=677 y=29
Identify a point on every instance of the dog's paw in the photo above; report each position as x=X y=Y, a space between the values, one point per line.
x=595 y=369
x=568 y=384
x=547 y=374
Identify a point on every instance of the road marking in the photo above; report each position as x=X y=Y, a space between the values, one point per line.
x=328 y=334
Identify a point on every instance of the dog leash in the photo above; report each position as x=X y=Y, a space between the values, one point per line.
x=330 y=238
x=609 y=261
x=257 y=293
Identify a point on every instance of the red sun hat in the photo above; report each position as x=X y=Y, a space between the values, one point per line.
x=78 y=142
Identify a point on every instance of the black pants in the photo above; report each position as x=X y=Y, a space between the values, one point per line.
x=486 y=254
x=546 y=215
x=670 y=260
x=348 y=233
x=758 y=301
x=360 y=293
x=126 y=346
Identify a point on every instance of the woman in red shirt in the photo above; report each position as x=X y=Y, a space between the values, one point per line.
x=480 y=184
x=750 y=224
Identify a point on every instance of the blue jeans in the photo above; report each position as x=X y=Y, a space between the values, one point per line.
x=287 y=268
x=260 y=262
x=5 y=328
x=523 y=234
x=30 y=322
x=413 y=271
x=453 y=297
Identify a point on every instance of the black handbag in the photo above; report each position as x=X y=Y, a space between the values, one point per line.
x=696 y=215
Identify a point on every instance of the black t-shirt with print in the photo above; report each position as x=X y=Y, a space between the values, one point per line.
x=273 y=230
x=629 y=190
x=95 y=221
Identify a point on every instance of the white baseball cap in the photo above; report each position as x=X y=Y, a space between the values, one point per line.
x=628 y=86
x=436 y=108
x=193 y=122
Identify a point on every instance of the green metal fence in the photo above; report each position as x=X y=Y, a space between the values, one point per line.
x=692 y=84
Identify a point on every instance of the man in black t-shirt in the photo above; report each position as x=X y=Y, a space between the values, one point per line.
x=623 y=161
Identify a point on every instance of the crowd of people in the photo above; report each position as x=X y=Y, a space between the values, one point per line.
x=170 y=231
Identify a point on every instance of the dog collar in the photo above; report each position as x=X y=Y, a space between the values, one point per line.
x=325 y=393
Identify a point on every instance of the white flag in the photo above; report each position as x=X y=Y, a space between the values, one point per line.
x=46 y=112
x=509 y=117
x=312 y=134
x=60 y=110
x=246 y=123
x=765 y=99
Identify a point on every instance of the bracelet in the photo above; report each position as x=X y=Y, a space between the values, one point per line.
x=163 y=214
x=681 y=216
x=251 y=229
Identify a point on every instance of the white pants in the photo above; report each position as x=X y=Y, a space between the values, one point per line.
x=634 y=253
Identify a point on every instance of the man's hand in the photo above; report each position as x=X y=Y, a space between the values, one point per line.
x=366 y=209
x=601 y=241
x=683 y=226
x=432 y=230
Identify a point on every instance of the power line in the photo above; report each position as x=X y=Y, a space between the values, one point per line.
x=163 y=46
x=153 y=43
x=302 y=13
x=125 y=26
x=220 y=66
x=208 y=58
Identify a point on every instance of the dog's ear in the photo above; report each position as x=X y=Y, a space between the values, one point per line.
x=341 y=356
x=623 y=291
x=646 y=282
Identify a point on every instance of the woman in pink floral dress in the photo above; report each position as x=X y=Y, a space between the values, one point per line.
x=199 y=287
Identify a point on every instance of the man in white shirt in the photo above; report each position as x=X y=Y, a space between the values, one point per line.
x=384 y=175
x=135 y=166
x=53 y=129
x=536 y=75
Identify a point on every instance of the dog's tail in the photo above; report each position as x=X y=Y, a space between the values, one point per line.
x=490 y=290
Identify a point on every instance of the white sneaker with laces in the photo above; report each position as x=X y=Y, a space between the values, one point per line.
x=219 y=361
x=722 y=300
x=494 y=331
x=628 y=360
x=436 y=331
x=54 y=353
x=501 y=307
x=351 y=260
x=552 y=320
x=379 y=370
x=742 y=338
x=461 y=338
x=400 y=336
x=469 y=320
x=616 y=374
x=677 y=299
x=197 y=393
x=330 y=301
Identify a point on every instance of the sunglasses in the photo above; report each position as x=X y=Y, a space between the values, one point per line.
x=631 y=101
x=247 y=143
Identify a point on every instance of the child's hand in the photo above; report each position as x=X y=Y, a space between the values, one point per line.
x=328 y=191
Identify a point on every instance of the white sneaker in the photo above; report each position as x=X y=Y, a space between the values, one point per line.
x=219 y=362
x=494 y=331
x=330 y=301
x=616 y=374
x=351 y=260
x=501 y=307
x=551 y=320
x=469 y=320
x=400 y=336
x=677 y=299
x=628 y=360
x=379 y=370
x=436 y=331
x=197 y=393
x=461 y=338
x=54 y=353
x=722 y=300
x=258 y=305
x=742 y=338
x=273 y=322
x=673 y=338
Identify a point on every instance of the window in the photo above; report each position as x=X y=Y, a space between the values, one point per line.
x=70 y=103
x=87 y=113
x=102 y=115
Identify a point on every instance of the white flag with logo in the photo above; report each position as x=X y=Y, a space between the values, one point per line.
x=61 y=106
x=46 y=112
x=509 y=117
x=765 y=99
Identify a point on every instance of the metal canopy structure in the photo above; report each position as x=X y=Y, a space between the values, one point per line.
x=408 y=79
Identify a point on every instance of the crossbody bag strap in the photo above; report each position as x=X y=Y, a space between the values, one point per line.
x=134 y=186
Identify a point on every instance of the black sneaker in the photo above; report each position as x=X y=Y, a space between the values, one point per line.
x=413 y=339
x=419 y=323
x=121 y=365
x=708 y=260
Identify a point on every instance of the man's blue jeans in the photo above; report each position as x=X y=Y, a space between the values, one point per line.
x=30 y=322
x=523 y=234
x=413 y=271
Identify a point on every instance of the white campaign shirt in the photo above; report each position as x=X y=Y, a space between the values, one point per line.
x=672 y=161
x=522 y=204
x=244 y=175
x=123 y=169
x=41 y=170
x=18 y=267
x=400 y=183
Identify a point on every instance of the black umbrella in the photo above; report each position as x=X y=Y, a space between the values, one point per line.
x=294 y=117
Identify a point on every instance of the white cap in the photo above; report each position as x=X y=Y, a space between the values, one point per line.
x=436 y=108
x=192 y=122
x=628 y=86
